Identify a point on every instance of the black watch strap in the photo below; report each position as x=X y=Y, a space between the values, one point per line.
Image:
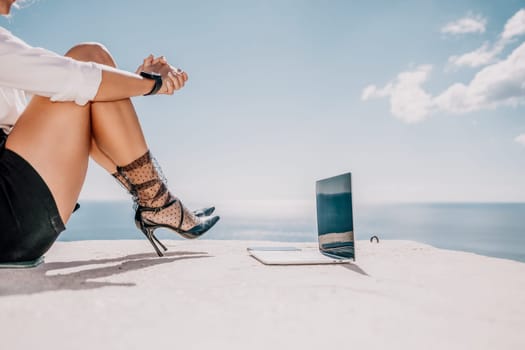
x=158 y=82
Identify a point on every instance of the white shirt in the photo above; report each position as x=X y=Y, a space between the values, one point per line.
x=28 y=70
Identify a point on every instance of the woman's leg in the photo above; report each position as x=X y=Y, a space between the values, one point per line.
x=101 y=158
x=118 y=135
x=116 y=130
x=56 y=138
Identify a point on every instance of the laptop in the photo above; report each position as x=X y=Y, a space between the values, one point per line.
x=335 y=229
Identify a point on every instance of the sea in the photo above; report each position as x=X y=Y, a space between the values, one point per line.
x=491 y=229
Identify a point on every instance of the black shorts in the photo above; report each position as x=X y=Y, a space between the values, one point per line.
x=29 y=218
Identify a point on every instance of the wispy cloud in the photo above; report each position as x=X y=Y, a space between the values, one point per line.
x=520 y=139
x=468 y=24
x=488 y=53
x=479 y=57
x=515 y=25
x=499 y=83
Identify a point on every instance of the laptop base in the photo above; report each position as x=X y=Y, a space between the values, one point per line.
x=293 y=256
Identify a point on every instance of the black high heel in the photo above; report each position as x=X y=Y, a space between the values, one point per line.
x=139 y=177
x=126 y=184
x=148 y=227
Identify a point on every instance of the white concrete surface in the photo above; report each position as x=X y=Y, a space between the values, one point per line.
x=212 y=295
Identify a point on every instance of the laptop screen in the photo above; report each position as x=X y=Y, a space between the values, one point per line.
x=335 y=224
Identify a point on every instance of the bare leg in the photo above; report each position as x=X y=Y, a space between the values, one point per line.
x=118 y=135
x=101 y=158
x=56 y=138
x=115 y=123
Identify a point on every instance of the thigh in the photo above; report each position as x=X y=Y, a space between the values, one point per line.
x=54 y=138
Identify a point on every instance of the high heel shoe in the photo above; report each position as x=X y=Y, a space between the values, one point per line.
x=148 y=226
x=207 y=211
x=156 y=207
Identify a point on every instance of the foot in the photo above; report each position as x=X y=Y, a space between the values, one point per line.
x=175 y=216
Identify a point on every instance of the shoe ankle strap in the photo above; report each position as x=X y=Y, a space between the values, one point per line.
x=141 y=208
x=145 y=185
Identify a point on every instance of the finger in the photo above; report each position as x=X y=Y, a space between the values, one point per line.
x=157 y=60
x=148 y=60
x=181 y=80
x=182 y=74
x=175 y=86
x=169 y=87
x=178 y=82
x=160 y=59
x=175 y=81
x=177 y=71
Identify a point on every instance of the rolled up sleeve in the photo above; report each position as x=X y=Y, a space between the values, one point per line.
x=45 y=73
x=81 y=85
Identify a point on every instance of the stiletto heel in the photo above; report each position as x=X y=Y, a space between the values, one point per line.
x=157 y=240
x=148 y=231
x=149 y=234
x=195 y=232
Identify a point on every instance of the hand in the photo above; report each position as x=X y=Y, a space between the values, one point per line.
x=173 y=78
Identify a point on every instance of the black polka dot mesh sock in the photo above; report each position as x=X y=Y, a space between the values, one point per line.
x=148 y=186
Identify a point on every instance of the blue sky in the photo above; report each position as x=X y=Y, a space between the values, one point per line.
x=283 y=93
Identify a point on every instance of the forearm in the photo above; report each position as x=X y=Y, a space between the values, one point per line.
x=117 y=84
x=45 y=73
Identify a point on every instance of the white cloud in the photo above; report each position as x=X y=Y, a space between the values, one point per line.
x=408 y=101
x=486 y=54
x=520 y=139
x=468 y=24
x=371 y=91
x=498 y=84
x=479 y=57
x=501 y=83
x=515 y=25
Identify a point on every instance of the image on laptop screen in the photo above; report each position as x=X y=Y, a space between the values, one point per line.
x=335 y=224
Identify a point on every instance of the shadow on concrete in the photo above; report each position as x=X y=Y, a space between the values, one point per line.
x=355 y=268
x=37 y=280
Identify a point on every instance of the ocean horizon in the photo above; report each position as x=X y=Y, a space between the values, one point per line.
x=490 y=229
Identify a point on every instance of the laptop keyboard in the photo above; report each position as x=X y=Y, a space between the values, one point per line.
x=344 y=252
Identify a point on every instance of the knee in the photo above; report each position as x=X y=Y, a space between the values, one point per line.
x=91 y=52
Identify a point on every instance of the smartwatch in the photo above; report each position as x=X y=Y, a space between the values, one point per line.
x=158 y=82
